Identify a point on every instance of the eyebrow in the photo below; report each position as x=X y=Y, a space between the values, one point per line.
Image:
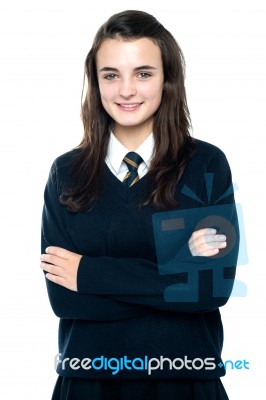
x=135 y=69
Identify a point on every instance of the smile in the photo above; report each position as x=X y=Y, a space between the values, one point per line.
x=129 y=107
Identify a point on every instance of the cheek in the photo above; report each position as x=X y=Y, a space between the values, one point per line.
x=156 y=97
x=154 y=92
x=106 y=92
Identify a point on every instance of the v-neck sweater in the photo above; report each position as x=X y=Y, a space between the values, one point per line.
x=120 y=309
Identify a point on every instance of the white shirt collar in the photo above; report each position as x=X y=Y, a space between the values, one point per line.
x=116 y=151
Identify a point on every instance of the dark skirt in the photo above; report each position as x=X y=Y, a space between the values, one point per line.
x=107 y=389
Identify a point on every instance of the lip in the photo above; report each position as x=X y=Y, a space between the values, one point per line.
x=129 y=106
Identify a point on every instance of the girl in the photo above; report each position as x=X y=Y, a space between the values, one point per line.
x=129 y=330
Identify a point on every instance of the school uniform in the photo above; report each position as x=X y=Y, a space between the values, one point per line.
x=120 y=311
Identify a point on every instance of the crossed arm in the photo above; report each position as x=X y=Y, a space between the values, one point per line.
x=61 y=265
x=107 y=288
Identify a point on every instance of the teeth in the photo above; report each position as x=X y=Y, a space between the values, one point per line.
x=130 y=105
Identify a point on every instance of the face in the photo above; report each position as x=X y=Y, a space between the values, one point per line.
x=130 y=76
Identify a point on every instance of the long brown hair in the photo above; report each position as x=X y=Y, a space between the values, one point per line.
x=173 y=142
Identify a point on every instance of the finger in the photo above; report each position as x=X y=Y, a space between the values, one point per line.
x=206 y=246
x=206 y=239
x=218 y=245
x=211 y=238
x=211 y=245
x=208 y=249
x=52 y=259
x=61 y=281
x=208 y=253
x=56 y=279
x=202 y=232
x=57 y=251
x=53 y=269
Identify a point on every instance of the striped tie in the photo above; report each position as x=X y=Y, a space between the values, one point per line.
x=133 y=161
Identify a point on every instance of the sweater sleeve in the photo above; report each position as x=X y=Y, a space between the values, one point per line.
x=66 y=303
x=199 y=284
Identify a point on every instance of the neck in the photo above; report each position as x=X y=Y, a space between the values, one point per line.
x=131 y=138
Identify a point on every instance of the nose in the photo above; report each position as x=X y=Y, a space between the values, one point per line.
x=127 y=88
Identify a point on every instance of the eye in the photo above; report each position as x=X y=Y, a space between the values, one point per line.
x=110 y=77
x=144 y=75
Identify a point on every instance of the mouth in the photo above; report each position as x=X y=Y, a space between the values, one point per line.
x=129 y=106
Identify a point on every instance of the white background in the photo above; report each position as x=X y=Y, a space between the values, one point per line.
x=43 y=45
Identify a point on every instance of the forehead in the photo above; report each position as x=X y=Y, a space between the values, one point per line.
x=120 y=52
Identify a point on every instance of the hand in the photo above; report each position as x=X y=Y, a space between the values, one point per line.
x=206 y=242
x=62 y=267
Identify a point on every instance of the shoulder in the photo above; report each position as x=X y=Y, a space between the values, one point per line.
x=208 y=157
x=66 y=160
x=62 y=166
x=206 y=152
x=207 y=173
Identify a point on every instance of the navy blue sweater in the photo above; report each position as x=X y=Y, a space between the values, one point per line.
x=123 y=306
